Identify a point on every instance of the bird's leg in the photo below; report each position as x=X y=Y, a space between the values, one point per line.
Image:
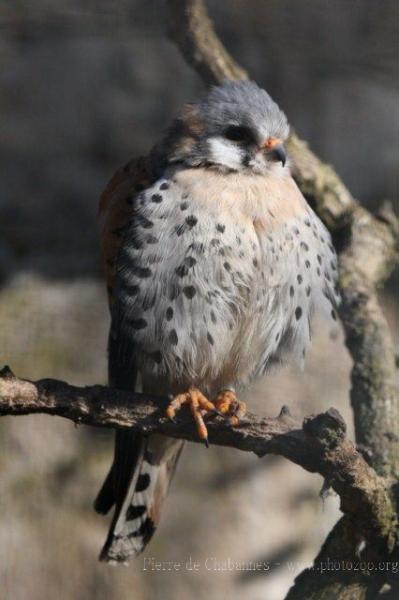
x=199 y=406
x=228 y=404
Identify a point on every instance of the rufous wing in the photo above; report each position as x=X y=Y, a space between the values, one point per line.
x=116 y=209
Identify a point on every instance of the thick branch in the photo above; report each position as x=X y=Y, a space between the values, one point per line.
x=319 y=445
x=193 y=32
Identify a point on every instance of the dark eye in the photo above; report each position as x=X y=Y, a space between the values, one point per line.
x=236 y=133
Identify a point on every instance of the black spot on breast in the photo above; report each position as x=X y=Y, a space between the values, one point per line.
x=308 y=290
x=271 y=213
x=189 y=291
x=157 y=198
x=143 y=482
x=292 y=291
x=298 y=313
x=169 y=313
x=334 y=315
x=227 y=266
x=277 y=337
x=151 y=239
x=191 y=221
x=138 y=323
x=134 y=512
x=142 y=272
x=255 y=263
x=209 y=338
x=307 y=264
x=213 y=317
x=220 y=227
x=190 y=261
x=173 y=339
x=182 y=270
x=164 y=186
x=319 y=259
x=184 y=206
x=333 y=266
x=299 y=279
x=307 y=222
x=304 y=246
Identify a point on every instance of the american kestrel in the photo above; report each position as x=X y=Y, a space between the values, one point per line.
x=215 y=265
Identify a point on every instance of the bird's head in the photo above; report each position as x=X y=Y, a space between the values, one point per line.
x=235 y=127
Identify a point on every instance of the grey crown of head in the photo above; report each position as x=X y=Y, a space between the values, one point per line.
x=235 y=103
x=243 y=103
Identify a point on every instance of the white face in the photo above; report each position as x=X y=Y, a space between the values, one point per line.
x=245 y=153
x=225 y=153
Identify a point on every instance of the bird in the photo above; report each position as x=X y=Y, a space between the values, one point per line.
x=215 y=264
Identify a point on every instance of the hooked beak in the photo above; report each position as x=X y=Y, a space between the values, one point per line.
x=278 y=154
x=275 y=150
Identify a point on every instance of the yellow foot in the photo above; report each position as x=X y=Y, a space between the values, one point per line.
x=227 y=403
x=199 y=406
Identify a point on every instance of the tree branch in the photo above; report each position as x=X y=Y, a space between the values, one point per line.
x=193 y=32
x=320 y=445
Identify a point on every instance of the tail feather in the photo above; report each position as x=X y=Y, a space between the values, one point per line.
x=138 y=493
x=106 y=497
x=141 y=472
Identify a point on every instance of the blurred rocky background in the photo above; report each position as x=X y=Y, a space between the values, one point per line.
x=84 y=86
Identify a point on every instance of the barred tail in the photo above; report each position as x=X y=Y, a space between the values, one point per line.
x=137 y=484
